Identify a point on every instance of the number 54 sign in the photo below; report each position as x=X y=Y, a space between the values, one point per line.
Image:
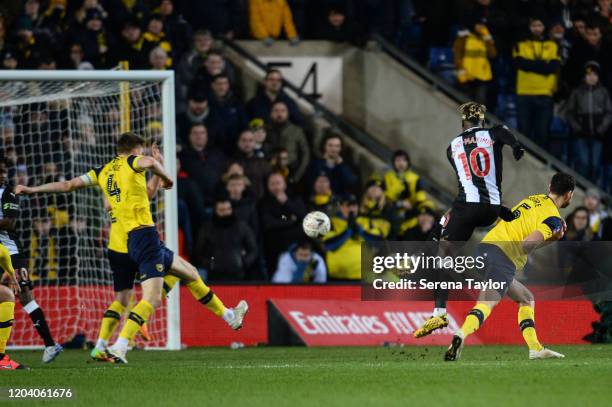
x=319 y=77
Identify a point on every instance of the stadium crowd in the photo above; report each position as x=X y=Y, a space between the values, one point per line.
x=249 y=170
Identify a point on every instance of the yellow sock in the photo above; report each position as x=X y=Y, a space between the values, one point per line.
x=111 y=319
x=205 y=295
x=7 y=315
x=169 y=283
x=476 y=317
x=139 y=315
x=526 y=320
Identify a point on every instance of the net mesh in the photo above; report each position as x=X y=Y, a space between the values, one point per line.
x=53 y=131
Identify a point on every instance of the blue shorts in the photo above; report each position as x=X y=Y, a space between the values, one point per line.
x=126 y=271
x=499 y=268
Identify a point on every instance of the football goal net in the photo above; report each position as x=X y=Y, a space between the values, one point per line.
x=55 y=125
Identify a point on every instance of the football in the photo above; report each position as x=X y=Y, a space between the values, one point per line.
x=316 y=224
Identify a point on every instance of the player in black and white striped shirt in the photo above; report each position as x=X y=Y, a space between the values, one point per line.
x=9 y=212
x=476 y=157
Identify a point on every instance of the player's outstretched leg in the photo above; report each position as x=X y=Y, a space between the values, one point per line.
x=526 y=321
x=7 y=315
x=472 y=323
x=29 y=304
x=183 y=270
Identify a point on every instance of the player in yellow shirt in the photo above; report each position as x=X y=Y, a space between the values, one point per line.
x=536 y=223
x=134 y=245
x=7 y=308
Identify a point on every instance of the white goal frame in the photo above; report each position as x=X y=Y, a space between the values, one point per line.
x=173 y=324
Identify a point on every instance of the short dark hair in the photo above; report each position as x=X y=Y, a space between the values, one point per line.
x=329 y=136
x=271 y=71
x=129 y=141
x=562 y=183
x=221 y=75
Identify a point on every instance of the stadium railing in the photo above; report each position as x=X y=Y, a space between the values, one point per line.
x=438 y=84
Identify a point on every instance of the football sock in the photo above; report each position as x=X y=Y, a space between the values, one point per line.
x=475 y=318
x=110 y=321
x=7 y=315
x=437 y=312
x=205 y=295
x=40 y=323
x=526 y=320
x=139 y=315
x=169 y=283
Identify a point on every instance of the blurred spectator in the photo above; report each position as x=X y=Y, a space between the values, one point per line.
x=281 y=133
x=403 y=186
x=268 y=18
x=300 y=264
x=375 y=207
x=226 y=246
x=199 y=111
x=189 y=192
x=185 y=229
x=280 y=219
x=230 y=109
x=272 y=91
x=156 y=36
x=343 y=242
x=257 y=126
x=537 y=62
x=578 y=229
x=202 y=162
x=425 y=221
x=322 y=199
x=214 y=64
x=190 y=62
x=9 y=60
x=93 y=40
x=158 y=59
x=473 y=50
x=122 y=11
x=557 y=34
x=131 y=47
x=592 y=201
x=592 y=48
x=255 y=168
x=589 y=113
x=342 y=178
x=338 y=29
x=279 y=162
x=221 y=18
x=76 y=59
x=177 y=29
x=603 y=17
x=242 y=199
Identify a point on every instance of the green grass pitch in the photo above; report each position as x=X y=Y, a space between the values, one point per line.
x=277 y=376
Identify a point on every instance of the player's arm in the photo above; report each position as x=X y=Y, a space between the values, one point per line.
x=502 y=134
x=10 y=210
x=151 y=164
x=53 y=187
x=552 y=229
x=153 y=183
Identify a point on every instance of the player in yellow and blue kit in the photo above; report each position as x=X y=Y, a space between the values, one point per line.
x=134 y=245
x=536 y=222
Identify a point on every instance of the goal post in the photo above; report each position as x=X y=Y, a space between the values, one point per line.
x=55 y=125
